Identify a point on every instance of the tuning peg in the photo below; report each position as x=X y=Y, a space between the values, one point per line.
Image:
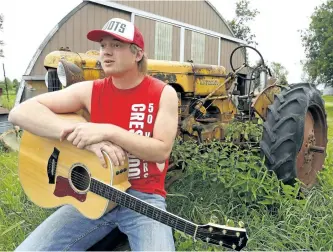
x=233 y=246
x=241 y=224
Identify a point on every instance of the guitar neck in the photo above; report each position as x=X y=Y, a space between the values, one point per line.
x=137 y=205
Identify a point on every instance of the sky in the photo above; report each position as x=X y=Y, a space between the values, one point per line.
x=27 y=23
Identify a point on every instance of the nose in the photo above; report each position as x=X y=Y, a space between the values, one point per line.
x=107 y=52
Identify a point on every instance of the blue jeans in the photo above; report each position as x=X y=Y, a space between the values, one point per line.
x=68 y=229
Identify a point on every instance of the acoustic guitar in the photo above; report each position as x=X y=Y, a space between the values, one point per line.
x=54 y=173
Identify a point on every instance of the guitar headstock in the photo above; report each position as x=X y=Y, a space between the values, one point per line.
x=221 y=235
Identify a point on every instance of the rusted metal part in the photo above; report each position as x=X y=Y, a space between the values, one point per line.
x=205 y=69
x=88 y=62
x=165 y=77
x=264 y=99
x=311 y=155
x=73 y=73
x=207 y=120
x=223 y=97
x=317 y=149
x=207 y=78
x=231 y=77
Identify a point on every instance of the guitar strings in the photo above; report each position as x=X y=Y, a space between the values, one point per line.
x=77 y=176
x=77 y=179
x=78 y=182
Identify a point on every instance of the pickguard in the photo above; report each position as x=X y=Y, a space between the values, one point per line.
x=63 y=188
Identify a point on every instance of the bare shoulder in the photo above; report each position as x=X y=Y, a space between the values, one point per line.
x=169 y=95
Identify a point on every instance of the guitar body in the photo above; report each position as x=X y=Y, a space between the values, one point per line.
x=54 y=173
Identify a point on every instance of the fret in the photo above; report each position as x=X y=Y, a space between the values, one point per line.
x=126 y=203
x=167 y=221
x=171 y=221
x=118 y=197
x=132 y=204
x=123 y=198
x=143 y=208
x=113 y=197
x=185 y=228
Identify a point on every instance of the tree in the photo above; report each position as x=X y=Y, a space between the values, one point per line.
x=239 y=25
x=318 y=43
x=279 y=72
x=1 y=28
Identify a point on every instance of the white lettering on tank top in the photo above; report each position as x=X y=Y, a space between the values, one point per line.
x=140 y=115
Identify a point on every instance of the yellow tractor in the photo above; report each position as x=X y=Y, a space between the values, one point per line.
x=294 y=137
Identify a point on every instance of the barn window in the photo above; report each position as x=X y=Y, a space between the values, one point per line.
x=198 y=47
x=163 y=41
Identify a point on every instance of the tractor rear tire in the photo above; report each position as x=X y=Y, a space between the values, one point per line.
x=295 y=127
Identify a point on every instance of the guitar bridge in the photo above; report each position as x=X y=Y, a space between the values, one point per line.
x=52 y=165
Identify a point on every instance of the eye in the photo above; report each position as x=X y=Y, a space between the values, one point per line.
x=117 y=45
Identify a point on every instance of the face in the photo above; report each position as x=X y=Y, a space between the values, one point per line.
x=116 y=57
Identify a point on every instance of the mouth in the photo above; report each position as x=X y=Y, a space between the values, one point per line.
x=108 y=61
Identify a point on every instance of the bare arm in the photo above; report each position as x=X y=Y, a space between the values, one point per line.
x=38 y=114
x=158 y=148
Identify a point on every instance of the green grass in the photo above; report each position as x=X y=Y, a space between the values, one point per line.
x=8 y=103
x=18 y=216
x=215 y=187
x=329 y=111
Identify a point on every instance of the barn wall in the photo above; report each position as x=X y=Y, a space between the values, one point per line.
x=73 y=32
x=198 y=13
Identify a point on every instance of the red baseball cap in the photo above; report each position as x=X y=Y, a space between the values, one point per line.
x=120 y=29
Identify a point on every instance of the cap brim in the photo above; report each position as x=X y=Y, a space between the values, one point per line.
x=97 y=35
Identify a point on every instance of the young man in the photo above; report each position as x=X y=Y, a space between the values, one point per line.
x=132 y=113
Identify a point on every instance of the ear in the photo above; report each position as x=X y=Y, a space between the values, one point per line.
x=139 y=55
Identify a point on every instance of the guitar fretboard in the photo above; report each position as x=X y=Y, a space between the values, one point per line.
x=131 y=202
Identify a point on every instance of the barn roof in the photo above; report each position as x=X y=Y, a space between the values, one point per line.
x=125 y=8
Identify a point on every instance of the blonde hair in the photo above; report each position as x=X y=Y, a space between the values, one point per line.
x=143 y=63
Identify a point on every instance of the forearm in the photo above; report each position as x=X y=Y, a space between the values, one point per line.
x=37 y=119
x=142 y=147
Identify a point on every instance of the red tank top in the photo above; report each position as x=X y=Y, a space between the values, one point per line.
x=135 y=110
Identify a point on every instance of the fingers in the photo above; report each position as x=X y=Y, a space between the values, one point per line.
x=115 y=154
x=100 y=156
x=72 y=136
x=120 y=153
x=64 y=133
x=81 y=144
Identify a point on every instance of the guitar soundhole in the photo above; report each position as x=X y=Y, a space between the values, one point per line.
x=80 y=178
